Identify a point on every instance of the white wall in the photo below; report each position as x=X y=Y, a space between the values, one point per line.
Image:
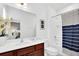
x=69 y=8
x=53 y=26
x=71 y=15
x=1 y=9
x=26 y=19
x=55 y=30
x=41 y=11
x=70 y=18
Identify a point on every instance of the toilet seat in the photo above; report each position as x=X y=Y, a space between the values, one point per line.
x=50 y=51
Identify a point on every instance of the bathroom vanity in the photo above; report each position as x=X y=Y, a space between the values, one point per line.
x=23 y=49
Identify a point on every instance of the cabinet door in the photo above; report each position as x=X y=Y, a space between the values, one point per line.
x=28 y=54
x=39 y=46
x=7 y=54
x=39 y=52
x=25 y=51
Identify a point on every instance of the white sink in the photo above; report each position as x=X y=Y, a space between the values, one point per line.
x=28 y=40
x=31 y=39
x=13 y=42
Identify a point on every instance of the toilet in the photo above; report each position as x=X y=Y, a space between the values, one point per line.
x=49 y=50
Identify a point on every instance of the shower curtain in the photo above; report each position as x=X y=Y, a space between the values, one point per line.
x=71 y=37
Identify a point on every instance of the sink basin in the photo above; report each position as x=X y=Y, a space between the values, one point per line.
x=13 y=42
x=31 y=39
x=28 y=39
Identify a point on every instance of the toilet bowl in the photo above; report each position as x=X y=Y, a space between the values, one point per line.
x=49 y=51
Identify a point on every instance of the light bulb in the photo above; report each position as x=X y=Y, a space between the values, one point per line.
x=4 y=13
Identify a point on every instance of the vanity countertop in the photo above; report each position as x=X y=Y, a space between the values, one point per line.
x=8 y=47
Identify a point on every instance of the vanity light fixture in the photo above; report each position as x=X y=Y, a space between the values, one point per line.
x=4 y=13
x=22 y=5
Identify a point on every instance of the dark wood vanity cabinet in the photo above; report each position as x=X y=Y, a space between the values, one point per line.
x=25 y=51
x=35 y=50
x=38 y=50
x=10 y=53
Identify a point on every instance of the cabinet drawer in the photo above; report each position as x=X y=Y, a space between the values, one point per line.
x=29 y=54
x=25 y=51
x=7 y=54
x=39 y=53
x=39 y=46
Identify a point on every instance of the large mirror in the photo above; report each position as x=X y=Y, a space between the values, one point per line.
x=9 y=28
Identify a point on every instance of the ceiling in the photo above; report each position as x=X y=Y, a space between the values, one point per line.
x=59 y=6
x=55 y=6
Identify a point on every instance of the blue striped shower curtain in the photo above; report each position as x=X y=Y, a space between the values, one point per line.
x=71 y=37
